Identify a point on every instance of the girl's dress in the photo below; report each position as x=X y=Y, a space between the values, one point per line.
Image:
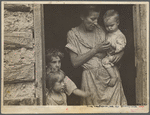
x=94 y=76
x=51 y=101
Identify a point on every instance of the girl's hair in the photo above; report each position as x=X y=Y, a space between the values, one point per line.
x=52 y=78
x=53 y=53
x=111 y=13
x=85 y=9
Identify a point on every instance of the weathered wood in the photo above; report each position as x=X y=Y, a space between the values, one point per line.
x=43 y=57
x=140 y=39
x=21 y=101
x=38 y=48
x=23 y=73
x=18 y=39
x=143 y=16
x=16 y=7
x=19 y=90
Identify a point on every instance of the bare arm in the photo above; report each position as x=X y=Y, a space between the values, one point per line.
x=81 y=93
x=78 y=60
x=118 y=57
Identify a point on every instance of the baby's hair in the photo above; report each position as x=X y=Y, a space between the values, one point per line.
x=53 y=53
x=111 y=13
x=52 y=78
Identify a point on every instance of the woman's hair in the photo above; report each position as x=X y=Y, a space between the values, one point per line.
x=85 y=9
x=111 y=13
x=53 y=53
x=52 y=78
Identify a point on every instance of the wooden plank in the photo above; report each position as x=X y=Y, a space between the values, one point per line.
x=143 y=16
x=22 y=73
x=19 y=90
x=21 y=101
x=18 y=39
x=38 y=51
x=140 y=38
x=137 y=35
x=43 y=58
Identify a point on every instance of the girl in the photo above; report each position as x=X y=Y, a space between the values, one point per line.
x=55 y=84
x=56 y=89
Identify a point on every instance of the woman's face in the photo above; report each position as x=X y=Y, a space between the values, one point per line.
x=91 y=20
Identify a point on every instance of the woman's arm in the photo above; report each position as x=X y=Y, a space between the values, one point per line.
x=78 y=60
x=81 y=93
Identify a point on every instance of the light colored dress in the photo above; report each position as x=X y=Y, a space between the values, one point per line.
x=51 y=101
x=117 y=41
x=94 y=77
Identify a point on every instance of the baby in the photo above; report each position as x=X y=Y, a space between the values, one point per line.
x=117 y=40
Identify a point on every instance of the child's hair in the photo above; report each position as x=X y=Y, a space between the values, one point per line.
x=111 y=13
x=53 y=53
x=52 y=78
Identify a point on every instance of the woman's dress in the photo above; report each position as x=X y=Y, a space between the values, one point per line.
x=94 y=76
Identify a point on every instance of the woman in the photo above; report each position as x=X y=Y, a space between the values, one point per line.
x=86 y=46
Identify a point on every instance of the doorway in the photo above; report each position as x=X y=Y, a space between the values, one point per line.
x=59 y=19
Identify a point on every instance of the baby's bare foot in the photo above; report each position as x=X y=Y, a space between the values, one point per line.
x=112 y=82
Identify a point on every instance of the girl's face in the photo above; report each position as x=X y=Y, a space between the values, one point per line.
x=55 y=64
x=91 y=20
x=111 y=24
x=59 y=84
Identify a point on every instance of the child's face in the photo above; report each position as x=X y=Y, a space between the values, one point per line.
x=55 y=64
x=59 y=85
x=111 y=24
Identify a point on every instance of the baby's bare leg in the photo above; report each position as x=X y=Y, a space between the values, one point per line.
x=113 y=75
x=106 y=62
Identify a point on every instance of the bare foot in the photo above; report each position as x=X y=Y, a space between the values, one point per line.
x=112 y=82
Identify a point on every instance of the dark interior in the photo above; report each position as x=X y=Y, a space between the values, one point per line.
x=59 y=19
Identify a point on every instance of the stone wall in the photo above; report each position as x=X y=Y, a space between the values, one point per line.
x=19 y=55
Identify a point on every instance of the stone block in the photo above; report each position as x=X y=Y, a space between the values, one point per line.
x=24 y=101
x=19 y=56
x=18 y=74
x=18 y=21
x=19 y=90
x=16 y=7
x=18 y=39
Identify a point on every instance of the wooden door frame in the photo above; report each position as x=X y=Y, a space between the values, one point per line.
x=138 y=10
x=39 y=53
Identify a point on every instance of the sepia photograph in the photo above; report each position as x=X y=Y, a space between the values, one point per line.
x=74 y=57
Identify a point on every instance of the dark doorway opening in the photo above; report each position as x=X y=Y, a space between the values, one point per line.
x=59 y=19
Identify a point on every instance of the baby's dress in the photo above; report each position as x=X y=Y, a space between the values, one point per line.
x=118 y=42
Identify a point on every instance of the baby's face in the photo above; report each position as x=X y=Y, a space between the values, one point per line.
x=111 y=24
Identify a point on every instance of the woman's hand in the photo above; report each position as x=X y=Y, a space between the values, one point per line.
x=118 y=57
x=102 y=47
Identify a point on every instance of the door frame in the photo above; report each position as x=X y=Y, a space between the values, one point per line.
x=140 y=30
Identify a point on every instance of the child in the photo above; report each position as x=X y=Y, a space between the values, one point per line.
x=54 y=57
x=117 y=40
x=55 y=84
x=56 y=89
